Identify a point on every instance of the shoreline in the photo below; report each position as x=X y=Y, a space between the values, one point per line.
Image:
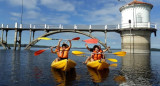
x=43 y=46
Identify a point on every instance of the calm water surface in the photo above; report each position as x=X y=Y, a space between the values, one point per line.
x=22 y=68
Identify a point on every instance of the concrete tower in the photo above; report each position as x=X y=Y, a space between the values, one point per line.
x=136 y=28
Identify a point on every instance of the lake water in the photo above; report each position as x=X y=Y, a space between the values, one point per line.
x=22 y=68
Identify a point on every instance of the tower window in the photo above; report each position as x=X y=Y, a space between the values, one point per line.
x=139 y=18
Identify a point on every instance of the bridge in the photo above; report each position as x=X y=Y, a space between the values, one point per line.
x=53 y=29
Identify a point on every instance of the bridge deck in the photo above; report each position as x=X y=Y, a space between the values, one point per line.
x=86 y=30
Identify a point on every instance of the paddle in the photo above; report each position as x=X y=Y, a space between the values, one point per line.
x=113 y=65
x=45 y=38
x=120 y=53
x=110 y=59
x=89 y=41
x=41 y=51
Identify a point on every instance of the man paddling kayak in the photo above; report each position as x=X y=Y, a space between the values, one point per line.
x=62 y=52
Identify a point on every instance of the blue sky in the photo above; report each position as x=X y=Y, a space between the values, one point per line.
x=70 y=12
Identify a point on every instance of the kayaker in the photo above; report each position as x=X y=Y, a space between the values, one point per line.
x=92 y=50
x=97 y=53
x=62 y=52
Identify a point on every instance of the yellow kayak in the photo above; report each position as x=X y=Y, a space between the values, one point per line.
x=99 y=65
x=64 y=65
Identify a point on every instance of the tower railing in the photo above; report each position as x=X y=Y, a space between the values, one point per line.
x=138 y=25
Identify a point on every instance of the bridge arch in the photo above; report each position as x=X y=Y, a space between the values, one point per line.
x=61 y=31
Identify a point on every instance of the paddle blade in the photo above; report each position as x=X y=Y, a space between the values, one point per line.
x=113 y=65
x=81 y=55
x=44 y=38
x=38 y=52
x=112 y=60
x=77 y=38
x=121 y=53
x=91 y=41
x=77 y=52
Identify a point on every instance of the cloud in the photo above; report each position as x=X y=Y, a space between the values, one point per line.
x=15 y=14
x=153 y=2
x=32 y=14
x=108 y=13
x=56 y=19
x=28 y=4
x=63 y=19
x=58 y=5
x=41 y=18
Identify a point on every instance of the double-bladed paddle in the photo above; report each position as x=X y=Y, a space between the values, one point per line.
x=89 y=41
x=120 y=53
x=45 y=38
x=110 y=59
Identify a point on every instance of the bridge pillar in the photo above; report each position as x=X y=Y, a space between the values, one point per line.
x=6 y=35
x=19 y=39
x=2 y=36
x=33 y=34
x=105 y=39
x=15 y=36
x=30 y=36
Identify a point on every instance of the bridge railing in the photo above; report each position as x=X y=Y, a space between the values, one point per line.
x=108 y=27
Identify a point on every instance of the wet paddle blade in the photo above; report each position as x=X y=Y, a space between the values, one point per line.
x=38 y=52
x=113 y=65
x=112 y=60
x=81 y=55
x=120 y=52
x=77 y=38
x=121 y=55
x=91 y=41
x=44 y=38
x=77 y=52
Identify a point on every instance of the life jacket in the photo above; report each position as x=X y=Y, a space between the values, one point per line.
x=97 y=56
x=63 y=53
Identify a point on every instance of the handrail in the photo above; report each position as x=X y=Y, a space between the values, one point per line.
x=56 y=26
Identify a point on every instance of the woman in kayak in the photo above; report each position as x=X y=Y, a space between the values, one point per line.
x=92 y=50
x=62 y=52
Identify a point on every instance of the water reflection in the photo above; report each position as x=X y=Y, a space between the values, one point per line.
x=64 y=78
x=98 y=75
x=136 y=69
x=15 y=78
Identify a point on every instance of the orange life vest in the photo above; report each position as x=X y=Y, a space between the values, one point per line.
x=62 y=53
x=97 y=56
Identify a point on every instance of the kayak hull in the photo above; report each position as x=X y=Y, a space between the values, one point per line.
x=63 y=65
x=99 y=65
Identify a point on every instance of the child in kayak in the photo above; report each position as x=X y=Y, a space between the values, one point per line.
x=62 y=52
